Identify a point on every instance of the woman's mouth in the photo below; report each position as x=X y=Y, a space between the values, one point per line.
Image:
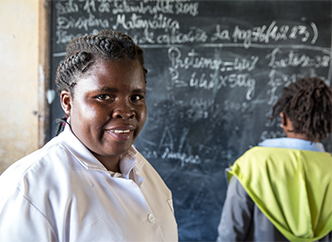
x=123 y=134
x=117 y=131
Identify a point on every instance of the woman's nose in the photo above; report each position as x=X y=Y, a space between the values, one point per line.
x=124 y=111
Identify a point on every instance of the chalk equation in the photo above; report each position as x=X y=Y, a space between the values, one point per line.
x=159 y=24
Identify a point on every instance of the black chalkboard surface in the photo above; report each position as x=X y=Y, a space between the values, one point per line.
x=215 y=70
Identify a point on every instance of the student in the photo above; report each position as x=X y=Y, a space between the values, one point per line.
x=282 y=189
x=89 y=183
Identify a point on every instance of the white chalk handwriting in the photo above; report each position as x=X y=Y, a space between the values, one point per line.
x=279 y=58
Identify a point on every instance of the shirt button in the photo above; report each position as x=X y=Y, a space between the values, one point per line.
x=151 y=218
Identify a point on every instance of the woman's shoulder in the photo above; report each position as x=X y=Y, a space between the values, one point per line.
x=36 y=166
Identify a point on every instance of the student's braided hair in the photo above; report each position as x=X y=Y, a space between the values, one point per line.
x=82 y=52
x=308 y=104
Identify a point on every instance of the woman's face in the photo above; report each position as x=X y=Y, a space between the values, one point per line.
x=107 y=110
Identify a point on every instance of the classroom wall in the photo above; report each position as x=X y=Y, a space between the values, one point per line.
x=19 y=79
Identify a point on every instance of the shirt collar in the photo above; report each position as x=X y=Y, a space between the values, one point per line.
x=127 y=161
x=293 y=143
x=131 y=164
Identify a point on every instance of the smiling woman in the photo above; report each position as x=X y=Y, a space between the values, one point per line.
x=89 y=183
x=108 y=110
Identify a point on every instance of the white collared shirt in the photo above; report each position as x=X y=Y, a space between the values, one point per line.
x=293 y=143
x=63 y=193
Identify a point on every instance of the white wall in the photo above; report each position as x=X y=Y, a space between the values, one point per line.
x=19 y=79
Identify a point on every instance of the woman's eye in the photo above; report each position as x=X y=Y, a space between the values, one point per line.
x=104 y=97
x=137 y=97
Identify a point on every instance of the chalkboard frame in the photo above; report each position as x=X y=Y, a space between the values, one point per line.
x=44 y=71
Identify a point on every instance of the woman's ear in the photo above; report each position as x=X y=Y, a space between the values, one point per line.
x=65 y=99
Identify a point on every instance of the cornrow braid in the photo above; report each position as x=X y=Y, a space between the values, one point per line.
x=110 y=45
x=65 y=76
x=83 y=51
x=61 y=124
x=308 y=104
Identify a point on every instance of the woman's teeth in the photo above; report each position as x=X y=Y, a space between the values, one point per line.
x=121 y=131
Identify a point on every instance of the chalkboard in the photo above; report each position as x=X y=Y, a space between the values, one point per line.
x=215 y=70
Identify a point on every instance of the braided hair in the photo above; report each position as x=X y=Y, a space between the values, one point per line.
x=82 y=53
x=308 y=104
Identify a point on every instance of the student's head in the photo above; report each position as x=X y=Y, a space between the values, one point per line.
x=101 y=84
x=307 y=103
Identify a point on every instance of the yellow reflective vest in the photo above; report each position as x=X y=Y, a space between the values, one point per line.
x=293 y=188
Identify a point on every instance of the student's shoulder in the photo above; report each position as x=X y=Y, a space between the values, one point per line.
x=258 y=155
x=265 y=152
